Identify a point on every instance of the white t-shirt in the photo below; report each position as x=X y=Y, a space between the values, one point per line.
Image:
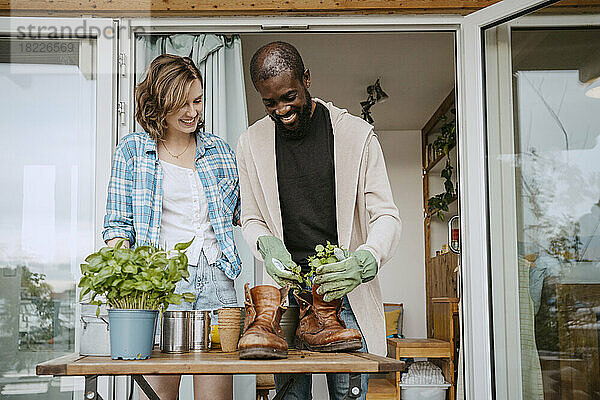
x=185 y=214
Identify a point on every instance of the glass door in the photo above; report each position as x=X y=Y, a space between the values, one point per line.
x=57 y=95
x=531 y=126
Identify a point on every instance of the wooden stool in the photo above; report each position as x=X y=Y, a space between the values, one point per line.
x=264 y=383
x=418 y=348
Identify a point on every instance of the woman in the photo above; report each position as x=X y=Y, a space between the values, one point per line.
x=174 y=182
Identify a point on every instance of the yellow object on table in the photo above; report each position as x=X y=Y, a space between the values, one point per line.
x=215 y=339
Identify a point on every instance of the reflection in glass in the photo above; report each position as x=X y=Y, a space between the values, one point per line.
x=46 y=208
x=555 y=167
x=558 y=181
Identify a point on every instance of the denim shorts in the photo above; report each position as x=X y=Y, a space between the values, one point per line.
x=209 y=284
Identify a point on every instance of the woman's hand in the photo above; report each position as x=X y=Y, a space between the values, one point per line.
x=113 y=242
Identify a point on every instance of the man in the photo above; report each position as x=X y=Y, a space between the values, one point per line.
x=311 y=173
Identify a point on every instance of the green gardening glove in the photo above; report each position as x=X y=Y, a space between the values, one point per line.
x=335 y=280
x=278 y=262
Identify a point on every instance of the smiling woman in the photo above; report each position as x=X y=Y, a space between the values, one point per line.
x=164 y=182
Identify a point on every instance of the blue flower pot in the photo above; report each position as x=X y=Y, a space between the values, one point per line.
x=131 y=333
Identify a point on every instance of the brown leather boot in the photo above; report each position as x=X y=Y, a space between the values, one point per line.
x=263 y=337
x=321 y=328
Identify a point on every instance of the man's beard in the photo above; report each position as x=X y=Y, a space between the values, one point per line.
x=303 y=121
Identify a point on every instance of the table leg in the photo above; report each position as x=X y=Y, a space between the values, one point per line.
x=145 y=386
x=91 y=388
x=280 y=395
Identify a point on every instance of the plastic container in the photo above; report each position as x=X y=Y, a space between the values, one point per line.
x=131 y=333
x=423 y=392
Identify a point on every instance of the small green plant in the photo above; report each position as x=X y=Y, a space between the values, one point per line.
x=325 y=254
x=446 y=140
x=143 y=278
x=442 y=144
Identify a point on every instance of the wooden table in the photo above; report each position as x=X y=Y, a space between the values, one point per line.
x=216 y=362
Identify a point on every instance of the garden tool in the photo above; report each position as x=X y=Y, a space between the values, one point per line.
x=278 y=261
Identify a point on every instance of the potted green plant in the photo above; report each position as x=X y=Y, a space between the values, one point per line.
x=135 y=284
x=324 y=254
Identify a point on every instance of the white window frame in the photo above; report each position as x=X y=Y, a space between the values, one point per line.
x=105 y=138
x=503 y=226
x=257 y=25
x=476 y=301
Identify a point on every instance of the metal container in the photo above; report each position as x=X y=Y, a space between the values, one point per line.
x=95 y=335
x=199 y=330
x=289 y=324
x=175 y=332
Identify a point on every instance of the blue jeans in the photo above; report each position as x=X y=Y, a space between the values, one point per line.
x=337 y=384
x=209 y=284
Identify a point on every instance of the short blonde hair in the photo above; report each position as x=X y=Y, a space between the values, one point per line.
x=165 y=89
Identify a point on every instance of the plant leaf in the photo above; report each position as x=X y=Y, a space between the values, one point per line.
x=143 y=286
x=130 y=268
x=183 y=246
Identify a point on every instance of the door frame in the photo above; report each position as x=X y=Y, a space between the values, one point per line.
x=483 y=362
x=476 y=314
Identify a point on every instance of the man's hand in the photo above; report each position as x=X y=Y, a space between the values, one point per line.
x=335 y=280
x=278 y=261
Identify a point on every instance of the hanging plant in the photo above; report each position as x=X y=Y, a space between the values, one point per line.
x=443 y=143
x=446 y=140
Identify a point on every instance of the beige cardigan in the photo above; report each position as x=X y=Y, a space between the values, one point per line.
x=366 y=214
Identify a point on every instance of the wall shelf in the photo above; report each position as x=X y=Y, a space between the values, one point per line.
x=432 y=164
x=440 y=276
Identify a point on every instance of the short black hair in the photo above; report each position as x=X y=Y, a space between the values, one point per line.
x=273 y=59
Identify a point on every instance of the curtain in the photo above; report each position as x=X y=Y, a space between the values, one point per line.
x=219 y=59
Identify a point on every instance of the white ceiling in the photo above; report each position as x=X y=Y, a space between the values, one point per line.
x=416 y=71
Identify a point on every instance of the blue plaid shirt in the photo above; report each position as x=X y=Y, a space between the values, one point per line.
x=135 y=192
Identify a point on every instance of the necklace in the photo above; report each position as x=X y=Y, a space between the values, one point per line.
x=184 y=150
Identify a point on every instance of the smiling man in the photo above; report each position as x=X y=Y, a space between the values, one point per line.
x=310 y=173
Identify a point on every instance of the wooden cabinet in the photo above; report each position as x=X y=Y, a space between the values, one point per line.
x=446 y=328
x=440 y=281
